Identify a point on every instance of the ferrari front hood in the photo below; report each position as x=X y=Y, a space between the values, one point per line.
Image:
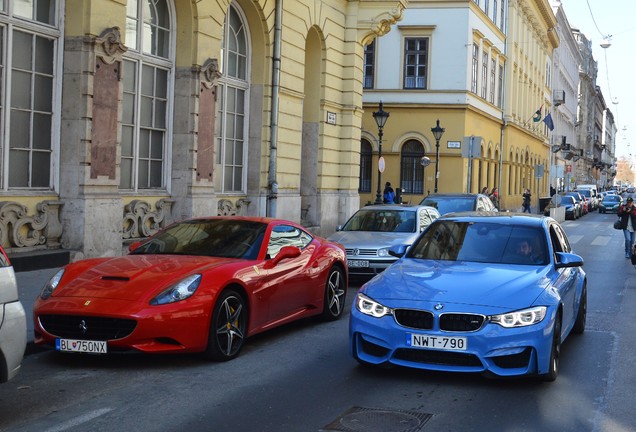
x=131 y=277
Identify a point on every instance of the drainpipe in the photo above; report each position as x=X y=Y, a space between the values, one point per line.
x=504 y=123
x=272 y=183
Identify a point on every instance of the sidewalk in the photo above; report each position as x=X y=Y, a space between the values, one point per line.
x=30 y=284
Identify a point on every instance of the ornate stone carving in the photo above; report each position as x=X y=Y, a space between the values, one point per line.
x=18 y=229
x=111 y=44
x=210 y=73
x=141 y=221
x=228 y=208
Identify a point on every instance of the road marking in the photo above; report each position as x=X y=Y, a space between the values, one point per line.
x=574 y=238
x=601 y=241
x=80 y=420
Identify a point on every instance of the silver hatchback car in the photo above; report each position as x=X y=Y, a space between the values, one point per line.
x=13 y=330
x=372 y=230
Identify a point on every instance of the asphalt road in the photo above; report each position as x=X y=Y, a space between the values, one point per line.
x=302 y=378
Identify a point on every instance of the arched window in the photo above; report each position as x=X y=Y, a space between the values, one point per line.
x=232 y=103
x=411 y=169
x=30 y=59
x=148 y=73
x=365 y=166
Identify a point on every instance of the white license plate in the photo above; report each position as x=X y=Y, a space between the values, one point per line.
x=358 y=263
x=80 y=346
x=448 y=343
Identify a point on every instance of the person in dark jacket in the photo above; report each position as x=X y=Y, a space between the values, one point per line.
x=627 y=215
x=527 y=197
x=389 y=194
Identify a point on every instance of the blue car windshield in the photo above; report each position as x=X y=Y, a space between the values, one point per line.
x=389 y=220
x=485 y=242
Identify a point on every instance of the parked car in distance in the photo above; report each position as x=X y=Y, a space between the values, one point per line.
x=372 y=230
x=572 y=208
x=590 y=197
x=610 y=203
x=459 y=202
x=200 y=285
x=580 y=200
x=13 y=328
x=489 y=293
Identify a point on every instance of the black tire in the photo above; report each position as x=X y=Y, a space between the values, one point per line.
x=335 y=294
x=581 y=316
x=555 y=352
x=228 y=327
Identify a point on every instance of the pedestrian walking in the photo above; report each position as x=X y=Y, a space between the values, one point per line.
x=494 y=197
x=627 y=215
x=485 y=190
x=389 y=194
x=527 y=198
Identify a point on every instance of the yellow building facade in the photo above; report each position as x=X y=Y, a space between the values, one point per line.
x=123 y=116
x=481 y=69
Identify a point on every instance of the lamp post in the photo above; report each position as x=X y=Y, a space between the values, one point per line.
x=437 y=133
x=380 y=116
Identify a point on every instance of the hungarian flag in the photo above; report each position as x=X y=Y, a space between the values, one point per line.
x=537 y=115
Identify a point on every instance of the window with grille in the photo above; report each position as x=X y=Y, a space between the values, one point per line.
x=411 y=169
x=147 y=78
x=369 y=65
x=493 y=74
x=500 y=87
x=415 y=62
x=475 y=69
x=232 y=97
x=30 y=46
x=484 y=75
x=366 y=152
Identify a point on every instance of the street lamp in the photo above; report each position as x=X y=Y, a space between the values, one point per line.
x=437 y=133
x=380 y=117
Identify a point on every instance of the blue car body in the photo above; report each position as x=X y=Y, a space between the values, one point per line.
x=442 y=314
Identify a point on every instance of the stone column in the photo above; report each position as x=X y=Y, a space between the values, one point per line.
x=89 y=147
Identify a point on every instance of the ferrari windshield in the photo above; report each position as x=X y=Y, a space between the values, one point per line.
x=209 y=237
x=384 y=220
x=486 y=242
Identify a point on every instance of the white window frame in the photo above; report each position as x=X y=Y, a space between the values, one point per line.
x=141 y=58
x=224 y=83
x=10 y=23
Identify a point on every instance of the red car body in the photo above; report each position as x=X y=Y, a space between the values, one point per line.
x=114 y=296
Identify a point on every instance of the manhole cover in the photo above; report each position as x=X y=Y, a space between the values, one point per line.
x=359 y=419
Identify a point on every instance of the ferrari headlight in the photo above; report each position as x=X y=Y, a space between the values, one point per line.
x=179 y=291
x=51 y=285
x=383 y=252
x=522 y=318
x=371 y=307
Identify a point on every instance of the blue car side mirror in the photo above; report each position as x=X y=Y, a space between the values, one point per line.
x=564 y=259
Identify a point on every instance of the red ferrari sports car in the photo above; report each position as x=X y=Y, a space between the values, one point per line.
x=201 y=285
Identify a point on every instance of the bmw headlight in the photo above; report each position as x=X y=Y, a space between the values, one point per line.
x=371 y=307
x=51 y=285
x=383 y=252
x=179 y=291
x=521 y=318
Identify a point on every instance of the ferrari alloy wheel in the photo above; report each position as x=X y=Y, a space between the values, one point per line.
x=555 y=352
x=228 y=328
x=335 y=293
